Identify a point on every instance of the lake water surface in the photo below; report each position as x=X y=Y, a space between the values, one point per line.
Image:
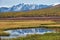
x=24 y=32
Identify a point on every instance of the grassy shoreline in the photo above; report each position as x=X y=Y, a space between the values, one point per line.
x=47 y=36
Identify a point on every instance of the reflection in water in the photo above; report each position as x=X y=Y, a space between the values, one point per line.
x=24 y=32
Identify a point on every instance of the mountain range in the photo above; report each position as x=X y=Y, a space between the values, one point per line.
x=24 y=7
x=53 y=11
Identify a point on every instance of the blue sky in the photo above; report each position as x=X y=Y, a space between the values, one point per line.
x=15 y=2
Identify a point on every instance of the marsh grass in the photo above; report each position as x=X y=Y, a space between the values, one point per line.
x=17 y=24
x=23 y=23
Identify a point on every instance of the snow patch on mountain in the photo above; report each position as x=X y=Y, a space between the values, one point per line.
x=56 y=4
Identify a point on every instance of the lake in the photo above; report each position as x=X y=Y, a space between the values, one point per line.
x=23 y=32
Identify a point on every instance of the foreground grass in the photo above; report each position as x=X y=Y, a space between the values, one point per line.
x=47 y=36
x=12 y=24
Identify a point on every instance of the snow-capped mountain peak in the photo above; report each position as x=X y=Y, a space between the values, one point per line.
x=24 y=7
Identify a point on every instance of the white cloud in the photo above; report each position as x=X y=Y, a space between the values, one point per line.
x=5 y=6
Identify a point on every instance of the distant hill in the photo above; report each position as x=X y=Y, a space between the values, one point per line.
x=4 y=9
x=47 y=12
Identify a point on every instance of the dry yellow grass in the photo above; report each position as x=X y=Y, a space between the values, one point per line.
x=22 y=23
